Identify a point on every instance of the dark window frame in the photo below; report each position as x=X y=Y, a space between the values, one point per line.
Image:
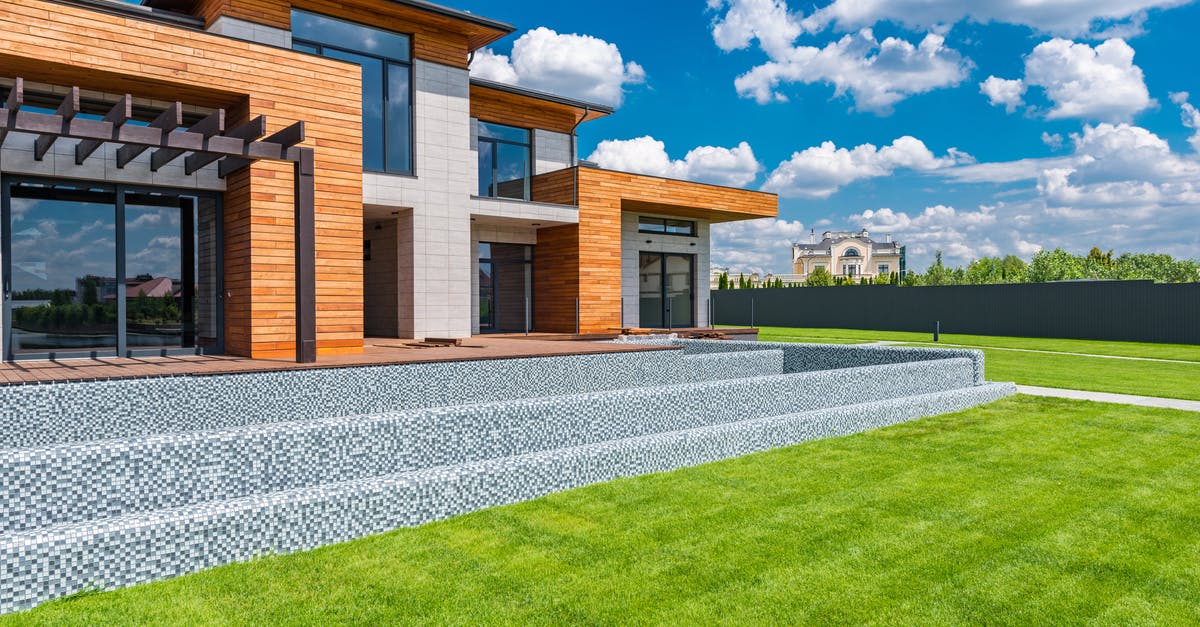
x=527 y=262
x=385 y=62
x=528 y=146
x=693 y=230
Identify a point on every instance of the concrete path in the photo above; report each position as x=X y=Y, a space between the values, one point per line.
x=1105 y=397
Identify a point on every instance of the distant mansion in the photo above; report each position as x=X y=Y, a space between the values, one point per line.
x=848 y=254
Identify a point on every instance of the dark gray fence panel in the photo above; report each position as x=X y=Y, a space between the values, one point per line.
x=1137 y=311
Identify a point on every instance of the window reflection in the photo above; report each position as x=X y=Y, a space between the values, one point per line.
x=504 y=161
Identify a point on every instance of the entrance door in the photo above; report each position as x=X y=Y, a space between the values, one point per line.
x=505 y=288
x=667 y=290
x=100 y=270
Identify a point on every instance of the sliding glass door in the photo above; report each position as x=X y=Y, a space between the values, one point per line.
x=666 y=286
x=99 y=270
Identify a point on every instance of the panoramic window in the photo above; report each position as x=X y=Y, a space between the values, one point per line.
x=666 y=226
x=385 y=58
x=503 y=161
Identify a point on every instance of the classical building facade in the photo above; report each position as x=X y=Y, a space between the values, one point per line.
x=848 y=254
x=306 y=173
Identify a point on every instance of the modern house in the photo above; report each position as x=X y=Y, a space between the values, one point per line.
x=848 y=254
x=308 y=173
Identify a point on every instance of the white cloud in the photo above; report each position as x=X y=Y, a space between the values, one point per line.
x=761 y=246
x=1001 y=91
x=1191 y=117
x=1054 y=141
x=735 y=166
x=1099 y=83
x=819 y=171
x=960 y=235
x=876 y=74
x=767 y=21
x=1067 y=18
x=579 y=66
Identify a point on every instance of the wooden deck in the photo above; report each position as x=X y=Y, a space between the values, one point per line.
x=378 y=351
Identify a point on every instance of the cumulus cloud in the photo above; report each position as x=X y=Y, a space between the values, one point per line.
x=767 y=21
x=735 y=166
x=579 y=66
x=1053 y=140
x=1080 y=81
x=1001 y=91
x=876 y=74
x=762 y=246
x=960 y=235
x=1191 y=117
x=1067 y=18
x=819 y=171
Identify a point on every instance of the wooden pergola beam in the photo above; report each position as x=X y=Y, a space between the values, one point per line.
x=285 y=139
x=212 y=125
x=170 y=119
x=249 y=132
x=120 y=113
x=67 y=111
x=16 y=98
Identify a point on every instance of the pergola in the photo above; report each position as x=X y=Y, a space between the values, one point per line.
x=203 y=143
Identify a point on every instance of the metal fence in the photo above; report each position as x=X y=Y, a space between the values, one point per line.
x=1140 y=311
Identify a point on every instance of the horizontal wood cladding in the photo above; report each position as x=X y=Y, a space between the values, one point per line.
x=436 y=37
x=67 y=45
x=557 y=187
x=603 y=196
x=502 y=107
x=556 y=279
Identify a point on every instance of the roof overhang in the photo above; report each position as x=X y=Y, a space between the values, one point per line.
x=479 y=31
x=561 y=113
x=673 y=197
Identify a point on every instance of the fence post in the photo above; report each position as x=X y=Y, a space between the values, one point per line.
x=576 y=316
x=527 y=313
x=752 y=311
x=937 y=330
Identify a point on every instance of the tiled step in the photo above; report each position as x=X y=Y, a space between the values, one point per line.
x=96 y=480
x=62 y=413
x=54 y=561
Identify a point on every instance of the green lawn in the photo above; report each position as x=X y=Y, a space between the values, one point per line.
x=1184 y=352
x=1025 y=511
x=1098 y=374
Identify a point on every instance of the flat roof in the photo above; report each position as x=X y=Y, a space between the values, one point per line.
x=423 y=5
x=541 y=95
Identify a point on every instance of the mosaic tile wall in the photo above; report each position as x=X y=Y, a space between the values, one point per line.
x=78 y=482
x=804 y=357
x=52 y=562
x=40 y=415
x=114 y=483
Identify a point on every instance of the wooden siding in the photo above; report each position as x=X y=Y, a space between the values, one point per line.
x=584 y=261
x=436 y=37
x=502 y=107
x=66 y=45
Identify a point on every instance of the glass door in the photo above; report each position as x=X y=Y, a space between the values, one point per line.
x=60 y=268
x=505 y=288
x=95 y=270
x=666 y=286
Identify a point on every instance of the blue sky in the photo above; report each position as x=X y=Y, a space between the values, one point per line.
x=1080 y=139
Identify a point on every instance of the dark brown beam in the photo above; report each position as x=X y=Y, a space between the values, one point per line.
x=248 y=132
x=274 y=147
x=304 y=197
x=167 y=121
x=67 y=111
x=117 y=117
x=146 y=137
x=16 y=97
x=214 y=124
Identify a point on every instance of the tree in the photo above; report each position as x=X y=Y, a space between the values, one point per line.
x=1055 y=265
x=723 y=281
x=937 y=273
x=819 y=277
x=1155 y=267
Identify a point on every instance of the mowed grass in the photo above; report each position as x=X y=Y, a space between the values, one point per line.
x=1182 y=352
x=1056 y=368
x=1024 y=511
